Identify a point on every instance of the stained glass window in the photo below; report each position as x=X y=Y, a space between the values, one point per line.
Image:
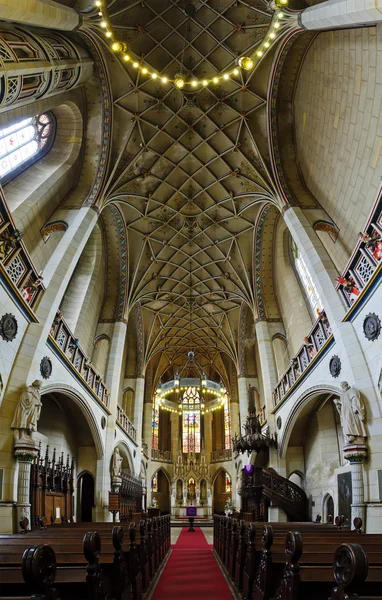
x=154 y=483
x=228 y=483
x=155 y=425
x=306 y=281
x=227 y=426
x=24 y=142
x=191 y=420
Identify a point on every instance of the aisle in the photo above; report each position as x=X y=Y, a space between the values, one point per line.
x=192 y=572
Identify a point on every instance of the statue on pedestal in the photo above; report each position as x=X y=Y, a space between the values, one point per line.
x=116 y=465
x=352 y=412
x=27 y=412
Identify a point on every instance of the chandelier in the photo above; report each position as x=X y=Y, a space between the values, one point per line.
x=253 y=440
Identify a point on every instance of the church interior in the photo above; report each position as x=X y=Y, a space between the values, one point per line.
x=190 y=300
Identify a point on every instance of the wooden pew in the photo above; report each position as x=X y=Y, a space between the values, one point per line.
x=71 y=563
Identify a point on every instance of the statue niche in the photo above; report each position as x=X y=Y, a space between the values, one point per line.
x=191 y=490
x=27 y=412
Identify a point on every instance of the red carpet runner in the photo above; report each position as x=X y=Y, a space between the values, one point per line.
x=192 y=572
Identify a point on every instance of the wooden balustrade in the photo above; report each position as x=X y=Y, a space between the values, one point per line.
x=16 y=267
x=125 y=423
x=221 y=455
x=71 y=352
x=309 y=353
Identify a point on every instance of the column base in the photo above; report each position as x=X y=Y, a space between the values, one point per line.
x=358 y=511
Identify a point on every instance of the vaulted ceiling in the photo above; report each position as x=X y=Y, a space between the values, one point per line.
x=190 y=169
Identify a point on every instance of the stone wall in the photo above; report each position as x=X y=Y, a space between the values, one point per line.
x=338 y=128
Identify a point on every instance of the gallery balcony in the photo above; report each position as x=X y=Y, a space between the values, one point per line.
x=17 y=271
x=125 y=424
x=68 y=350
x=315 y=346
x=161 y=456
x=221 y=455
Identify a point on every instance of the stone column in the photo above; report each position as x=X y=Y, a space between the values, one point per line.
x=208 y=434
x=267 y=362
x=341 y=13
x=324 y=274
x=138 y=411
x=242 y=384
x=235 y=418
x=147 y=426
x=176 y=436
x=40 y=13
x=113 y=380
x=25 y=452
x=356 y=454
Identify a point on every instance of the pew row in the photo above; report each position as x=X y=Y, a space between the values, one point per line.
x=79 y=560
x=271 y=562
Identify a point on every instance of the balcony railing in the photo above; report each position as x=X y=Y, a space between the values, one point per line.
x=161 y=456
x=221 y=455
x=16 y=266
x=365 y=260
x=72 y=353
x=127 y=426
x=309 y=352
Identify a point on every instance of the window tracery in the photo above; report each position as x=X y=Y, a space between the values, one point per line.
x=23 y=143
x=191 y=420
x=306 y=281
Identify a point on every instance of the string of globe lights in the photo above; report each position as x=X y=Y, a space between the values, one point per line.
x=180 y=80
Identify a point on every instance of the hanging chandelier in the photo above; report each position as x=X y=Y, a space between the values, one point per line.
x=253 y=440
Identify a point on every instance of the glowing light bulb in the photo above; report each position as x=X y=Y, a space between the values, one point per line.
x=98 y=3
x=246 y=63
x=179 y=81
x=108 y=34
x=144 y=70
x=236 y=72
x=205 y=82
x=164 y=80
x=272 y=35
x=135 y=65
x=215 y=80
x=266 y=45
x=280 y=14
x=226 y=76
x=103 y=24
x=154 y=75
x=259 y=53
x=117 y=47
x=126 y=57
x=194 y=83
x=276 y=25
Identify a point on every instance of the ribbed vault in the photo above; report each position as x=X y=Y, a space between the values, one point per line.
x=190 y=171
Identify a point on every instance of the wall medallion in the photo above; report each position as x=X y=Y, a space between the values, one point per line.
x=8 y=327
x=372 y=327
x=279 y=422
x=335 y=366
x=46 y=367
x=103 y=421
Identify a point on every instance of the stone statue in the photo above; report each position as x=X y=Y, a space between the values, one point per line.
x=116 y=465
x=27 y=412
x=352 y=413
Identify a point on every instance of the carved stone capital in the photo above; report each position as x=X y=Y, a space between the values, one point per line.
x=25 y=450
x=355 y=453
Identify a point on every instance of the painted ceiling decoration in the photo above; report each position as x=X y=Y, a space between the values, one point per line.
x=190 y=172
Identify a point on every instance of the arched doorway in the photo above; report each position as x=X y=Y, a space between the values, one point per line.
x=85 y=497
x=222 y=491
x=161 y=491
x=297 y=478
x=328 y=509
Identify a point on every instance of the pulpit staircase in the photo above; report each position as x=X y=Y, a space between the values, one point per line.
x=263 y=487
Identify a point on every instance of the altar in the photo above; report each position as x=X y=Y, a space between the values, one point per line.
x=198 y=511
